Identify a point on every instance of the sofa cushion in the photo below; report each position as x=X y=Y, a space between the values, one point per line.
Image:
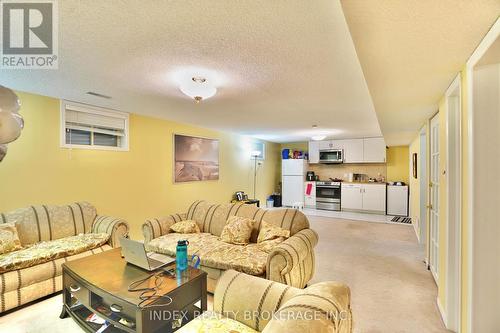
x=9 y=239
x=214 y=252
x=212 y=218
x=50 y=250
x=269 y=231
x=211 y=322
x=186 y=227
x=237 y=230
x=44 y=223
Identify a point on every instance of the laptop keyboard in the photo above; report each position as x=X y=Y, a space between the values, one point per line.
x=154 y=262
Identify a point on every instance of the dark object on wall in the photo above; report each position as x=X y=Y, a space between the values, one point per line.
x=414 y=161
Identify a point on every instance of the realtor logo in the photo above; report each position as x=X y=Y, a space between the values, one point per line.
x=29 y=32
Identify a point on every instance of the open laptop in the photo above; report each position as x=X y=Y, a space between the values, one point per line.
x=135 y=253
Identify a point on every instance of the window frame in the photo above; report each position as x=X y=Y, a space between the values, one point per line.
x=98 y=111
x=262 y=157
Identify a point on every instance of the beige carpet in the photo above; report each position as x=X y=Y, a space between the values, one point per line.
x=392 y=292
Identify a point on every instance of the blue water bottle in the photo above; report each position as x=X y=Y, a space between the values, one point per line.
x=181 y=259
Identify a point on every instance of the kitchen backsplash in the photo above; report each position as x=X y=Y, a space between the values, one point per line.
x=326 y=171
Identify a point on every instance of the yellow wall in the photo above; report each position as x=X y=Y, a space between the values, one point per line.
x=415 y=186
x=398 y=164
x=134 y=185
x=414 y=197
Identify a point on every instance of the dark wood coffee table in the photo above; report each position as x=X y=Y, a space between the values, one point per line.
x=99 y=284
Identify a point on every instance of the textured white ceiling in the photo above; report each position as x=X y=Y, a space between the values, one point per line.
x=280 y=66
x=411 y=50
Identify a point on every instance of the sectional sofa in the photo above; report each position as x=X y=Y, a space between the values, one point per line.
x=290 y=262
x=50 y=236
x=247 y=304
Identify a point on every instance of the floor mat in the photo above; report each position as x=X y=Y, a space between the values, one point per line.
x=401 y=219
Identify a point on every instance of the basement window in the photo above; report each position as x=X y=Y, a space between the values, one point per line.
x=259 y=148
x=90 y=127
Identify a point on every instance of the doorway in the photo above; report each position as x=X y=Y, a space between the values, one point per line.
x=423 y=186
x=453 y=176
x=483 y=77
x=434 y=198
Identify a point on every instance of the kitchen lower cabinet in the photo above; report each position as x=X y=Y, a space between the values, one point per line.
x=374 y=197
x=351 y=197
x=310 y=194
x=363 y=197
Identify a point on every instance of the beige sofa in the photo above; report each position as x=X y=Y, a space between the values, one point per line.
x=290 y=262
x=248 y=304
x=50 y=236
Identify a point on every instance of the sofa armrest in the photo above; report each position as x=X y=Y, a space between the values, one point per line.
x=156 y=227
x=249 y=299
x=115 y=227
x=292 y=262
x=322 y=307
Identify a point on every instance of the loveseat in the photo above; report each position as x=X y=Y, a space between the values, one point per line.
x=50 y=236
x=248 y=304
x=290 y=262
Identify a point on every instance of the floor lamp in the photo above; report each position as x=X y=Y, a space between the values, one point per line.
x=255 y=156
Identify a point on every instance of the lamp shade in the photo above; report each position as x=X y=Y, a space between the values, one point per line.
x=198 y=89
x=11 y=122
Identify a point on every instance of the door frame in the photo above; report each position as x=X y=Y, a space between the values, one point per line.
x=453 y=261
x=436 y=272
x=476 y=56
x=424 y=189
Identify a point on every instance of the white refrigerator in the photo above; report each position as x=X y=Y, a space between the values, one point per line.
x=293 y=176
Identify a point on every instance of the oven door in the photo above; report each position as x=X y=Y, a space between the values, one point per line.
x=331 y=156
x=328 y=197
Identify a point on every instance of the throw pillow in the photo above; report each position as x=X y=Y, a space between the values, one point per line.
x=237 y=230
x=269 y=231
x=186 y=227
x=268 y=245
x=9 y=239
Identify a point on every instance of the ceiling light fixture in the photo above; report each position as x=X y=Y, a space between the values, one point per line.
x=318 y=137
x=198 y=88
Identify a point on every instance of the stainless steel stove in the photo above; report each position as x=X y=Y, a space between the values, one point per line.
x=328 y=195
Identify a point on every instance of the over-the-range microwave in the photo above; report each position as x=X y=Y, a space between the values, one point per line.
x=331 y=156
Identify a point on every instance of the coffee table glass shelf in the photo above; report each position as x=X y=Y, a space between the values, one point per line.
x=99 y=285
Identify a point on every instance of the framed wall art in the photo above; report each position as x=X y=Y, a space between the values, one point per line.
x=195 y=158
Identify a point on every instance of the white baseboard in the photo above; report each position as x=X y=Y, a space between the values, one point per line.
x=441 y=311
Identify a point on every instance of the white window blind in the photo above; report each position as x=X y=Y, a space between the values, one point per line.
x=91 y=127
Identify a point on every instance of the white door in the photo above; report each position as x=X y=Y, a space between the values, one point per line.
x=434 y=198
x=374 y=197
x=310 y=199
x=351 y=197
x=293 y=167
x=353 y=151
x=293 y=190
x=313 y=151
x=374 y=150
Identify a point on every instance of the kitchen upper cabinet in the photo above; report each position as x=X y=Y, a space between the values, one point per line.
x=368 y=150
x=351 y=197
x=314 y=151
x=374 y=197
x=374 y=150
x=353 y=151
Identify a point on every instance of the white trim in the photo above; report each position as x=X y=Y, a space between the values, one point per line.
x=454 y=194
x=485 y=44
x=64 y=105
x=441 y=311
